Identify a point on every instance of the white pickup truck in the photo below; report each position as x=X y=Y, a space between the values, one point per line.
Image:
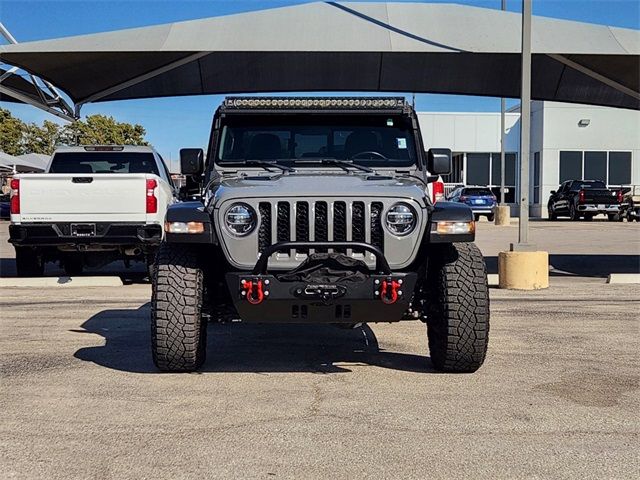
x=95 y=204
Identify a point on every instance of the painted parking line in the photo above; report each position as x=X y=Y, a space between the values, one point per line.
x=36 y=282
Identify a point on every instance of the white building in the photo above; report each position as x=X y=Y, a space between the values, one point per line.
x=568 y=141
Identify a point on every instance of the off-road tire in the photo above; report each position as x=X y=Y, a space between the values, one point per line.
x=178 y=331
x=28 y=262
x=150 y=261
x=73 y=264
x=458 y=313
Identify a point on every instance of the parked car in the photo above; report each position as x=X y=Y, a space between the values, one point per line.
x=4 y=207
x=630 y=207
x=584 y=199
x=94 y=205
x=481 y=200
x=317 y=210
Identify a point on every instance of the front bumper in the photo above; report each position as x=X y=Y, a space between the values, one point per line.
x=72 y=234
x=383 y=296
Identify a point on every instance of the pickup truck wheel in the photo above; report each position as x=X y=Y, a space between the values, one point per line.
x=614 y=217
x=458 y=311
x=551 y=214
x=178 y=331
x=29 y=262
x=573 y=213
x=588 y=217
x=73 y=264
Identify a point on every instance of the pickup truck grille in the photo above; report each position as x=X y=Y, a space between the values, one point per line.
x=339 y=218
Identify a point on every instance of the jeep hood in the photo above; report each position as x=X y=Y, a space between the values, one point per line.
x=320 y=185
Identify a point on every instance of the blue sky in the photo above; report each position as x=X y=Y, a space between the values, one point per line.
x=173 y=123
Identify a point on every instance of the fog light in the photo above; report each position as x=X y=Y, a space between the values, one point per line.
x=184 y=227
x=456 y=228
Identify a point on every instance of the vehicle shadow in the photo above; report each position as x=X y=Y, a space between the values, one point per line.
x=240 y=347
x=583 y=265
x=136 y=274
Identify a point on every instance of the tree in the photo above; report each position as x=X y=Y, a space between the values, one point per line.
x=41 y=139
x=103 y=130
x=11 y=131
x=17 y=137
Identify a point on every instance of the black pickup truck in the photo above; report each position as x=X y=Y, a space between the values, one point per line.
x=584 y=199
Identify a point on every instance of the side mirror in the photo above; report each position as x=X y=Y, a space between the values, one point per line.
x=553 y=192
x=439 y=161
x=191 y=161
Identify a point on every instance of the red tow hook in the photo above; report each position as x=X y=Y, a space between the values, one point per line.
x=254 y=298
x=392 y=295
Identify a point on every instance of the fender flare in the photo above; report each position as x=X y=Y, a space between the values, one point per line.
x=449 y=212
x=192 y=211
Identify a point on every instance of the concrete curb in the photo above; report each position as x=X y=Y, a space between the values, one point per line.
x=38 y=282
x=493 y=280
x=623 y=278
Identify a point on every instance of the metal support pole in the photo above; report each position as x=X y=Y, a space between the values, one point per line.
x=502 y=122
x=525 y=130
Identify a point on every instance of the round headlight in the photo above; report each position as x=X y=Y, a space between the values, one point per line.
x=401 y=219
x=240 y=219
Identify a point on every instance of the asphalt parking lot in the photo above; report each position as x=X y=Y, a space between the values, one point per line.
x=557 y=397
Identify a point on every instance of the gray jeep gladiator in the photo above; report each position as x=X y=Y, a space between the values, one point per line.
x=318 y=210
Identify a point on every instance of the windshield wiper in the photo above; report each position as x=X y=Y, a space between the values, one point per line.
x=266 y=165
x=343 y=164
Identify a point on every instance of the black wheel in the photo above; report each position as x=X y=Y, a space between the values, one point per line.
x=573 y=213
x=491 y=218
x=29 y=262
x=476 y=217
x=614 y=217
x=551 y=214
x=588 y=217
x=458 y=308
x=73 y=264
x=178 y=331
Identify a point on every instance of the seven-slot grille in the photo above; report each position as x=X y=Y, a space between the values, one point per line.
x=321 y=221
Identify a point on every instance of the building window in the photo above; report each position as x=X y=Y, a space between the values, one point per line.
x=613 y=168
x=619 y=168
x=595 y=166
x=570 y=166
x=478 y=168
x=509 y=176
x=536 y=177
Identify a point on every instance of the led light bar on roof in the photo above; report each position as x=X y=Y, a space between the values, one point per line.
x=346 y=103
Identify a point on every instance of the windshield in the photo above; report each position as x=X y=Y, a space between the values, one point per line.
x=104 y=162
x=369 y=140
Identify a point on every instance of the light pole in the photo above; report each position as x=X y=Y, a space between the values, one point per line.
x=525 y=131
x=524 y=268
x=502 y=122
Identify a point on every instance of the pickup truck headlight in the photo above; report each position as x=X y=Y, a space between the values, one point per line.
x=401 y=219
x=240 y=219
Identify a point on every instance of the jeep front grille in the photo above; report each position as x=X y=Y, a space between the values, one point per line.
x=319 y=219
x=339 y=219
